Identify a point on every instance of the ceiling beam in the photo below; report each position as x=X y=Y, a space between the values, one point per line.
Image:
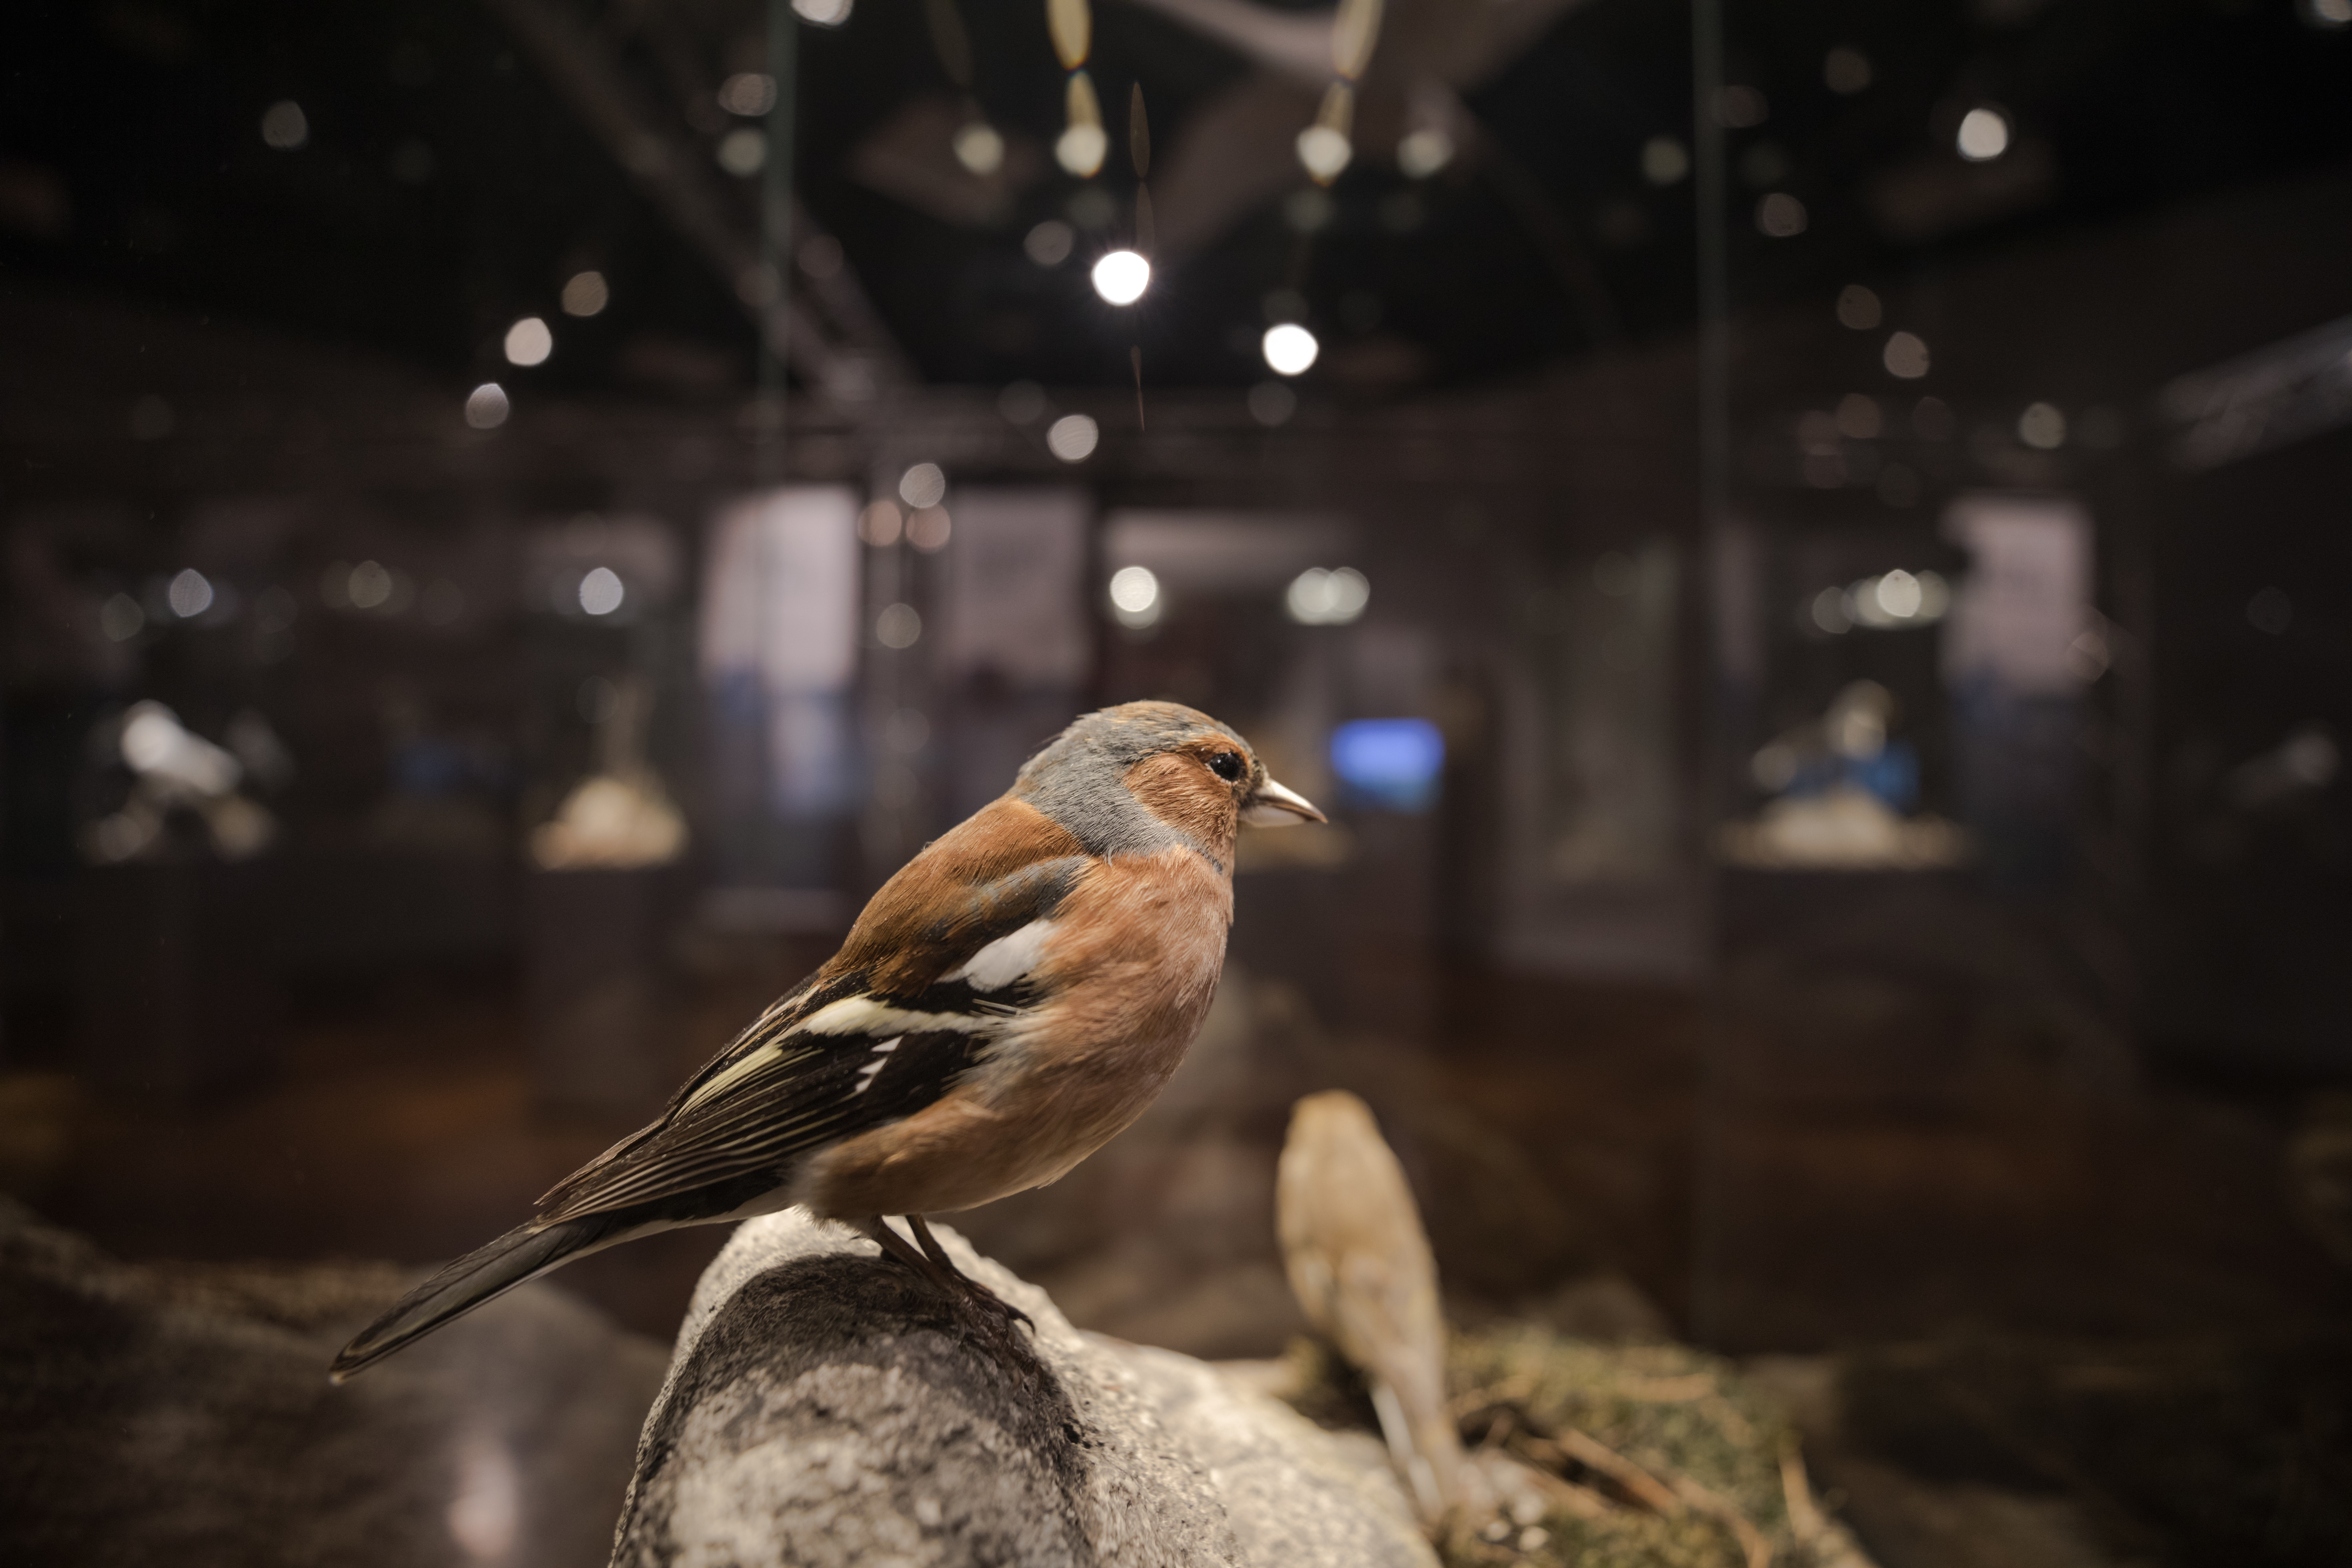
x=841 y=348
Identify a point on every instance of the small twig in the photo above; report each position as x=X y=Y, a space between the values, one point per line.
x=1797 y=1489
x=1581 y=1501
x=1665 y=1390
x=1594 y=1454
x=1503 y=1392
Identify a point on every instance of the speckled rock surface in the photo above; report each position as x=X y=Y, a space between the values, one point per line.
x=827 y=1407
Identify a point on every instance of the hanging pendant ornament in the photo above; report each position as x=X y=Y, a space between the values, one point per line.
x=1138 y=153
x=978 y=145
x=1083 y=143
x=1081 y=147
x=1325 y=148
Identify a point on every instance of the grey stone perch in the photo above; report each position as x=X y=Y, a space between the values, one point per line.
x=826 y=1406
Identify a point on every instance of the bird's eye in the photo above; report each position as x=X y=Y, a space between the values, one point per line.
x=1226 y=765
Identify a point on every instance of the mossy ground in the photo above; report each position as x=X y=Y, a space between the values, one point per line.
x=1686 y=1419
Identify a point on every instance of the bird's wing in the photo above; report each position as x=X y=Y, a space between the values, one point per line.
x=878 y=1034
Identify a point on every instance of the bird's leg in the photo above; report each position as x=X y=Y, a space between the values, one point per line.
x=899 y=1249
x=931 y=1243
x=970 y=1287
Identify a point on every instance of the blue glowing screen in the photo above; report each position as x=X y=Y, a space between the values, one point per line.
x=1392 y=762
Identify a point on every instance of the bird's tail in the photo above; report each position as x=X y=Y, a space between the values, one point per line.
x=482 y=1275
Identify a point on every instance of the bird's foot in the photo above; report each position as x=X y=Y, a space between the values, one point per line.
x=971 y=1289
x=989 y=1301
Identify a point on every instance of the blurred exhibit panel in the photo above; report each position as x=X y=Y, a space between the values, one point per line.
x=1601 y=877
x=2021 y=643
x=1016 y=644
x=779 y=661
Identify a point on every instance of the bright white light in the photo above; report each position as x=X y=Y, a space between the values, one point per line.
x=824 y=13
x=1424 y=152
x=1905 y=356
x=602 y=590
x=1080 y=149
x=898 y=627
x=190 y=594
x=529 y=341
x=1324 y=151
x=1289 y=349
x=1135 y=595
x=980 y=149
x=2327 y=14
x=2041 y=426
x=923 y=485
x=1121 y=277
x=1898 y=595
x=486 y=407
x=1073 y=438
x=284 y=125
x=1984 y=135
x=1048 y=244
x=1320 y=598
x=1664 y=161
x=744 y=152
x=155 y=743
x=1896 y=598
x=585 y=294
x=747 y=93
x=120 y=617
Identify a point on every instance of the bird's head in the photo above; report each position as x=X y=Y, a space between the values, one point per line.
x=1127 y=779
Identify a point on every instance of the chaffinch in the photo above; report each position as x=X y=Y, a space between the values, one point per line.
x=1007 y=1003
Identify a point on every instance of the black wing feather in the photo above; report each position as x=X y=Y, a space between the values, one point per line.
x=811 y=1098
x=810 y=1094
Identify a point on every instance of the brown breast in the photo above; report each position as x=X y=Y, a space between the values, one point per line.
x=1138 y=947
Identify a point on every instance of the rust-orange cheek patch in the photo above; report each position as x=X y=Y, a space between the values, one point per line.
x=1181 y=791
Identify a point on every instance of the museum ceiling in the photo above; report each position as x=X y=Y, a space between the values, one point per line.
x=450 y=165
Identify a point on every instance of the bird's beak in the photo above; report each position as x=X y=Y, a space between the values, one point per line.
x=1271 y=806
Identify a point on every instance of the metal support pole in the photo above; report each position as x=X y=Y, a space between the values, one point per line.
x=1709 y=1124
x=776 y=236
